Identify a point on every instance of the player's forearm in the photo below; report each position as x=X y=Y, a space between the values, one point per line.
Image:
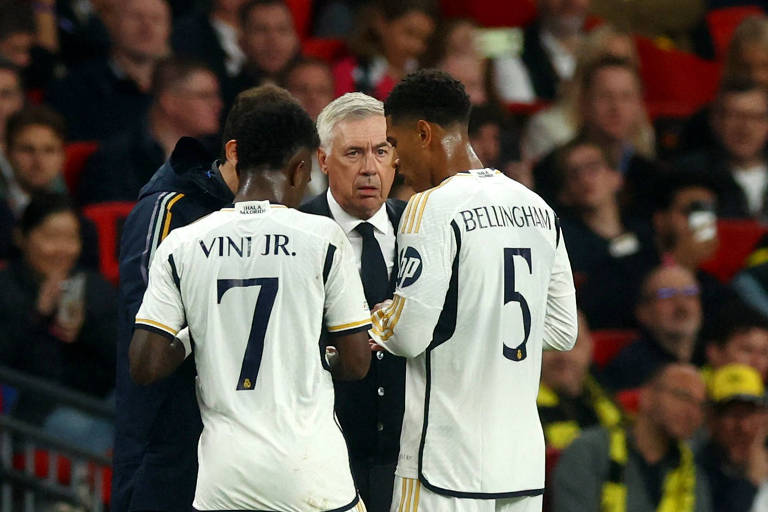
x=403 y=327
x=152 y=357
x=353 y=357
x=560 y=323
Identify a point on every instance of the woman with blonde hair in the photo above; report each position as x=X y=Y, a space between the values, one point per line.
x=563 y=120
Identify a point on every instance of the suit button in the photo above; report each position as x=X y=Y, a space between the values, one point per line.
x=379 y=355
x=380 y=391
x=380 y=426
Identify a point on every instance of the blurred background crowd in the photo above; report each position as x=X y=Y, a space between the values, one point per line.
x=643 y=122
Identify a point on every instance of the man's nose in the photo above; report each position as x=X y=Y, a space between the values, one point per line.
x=369 y=164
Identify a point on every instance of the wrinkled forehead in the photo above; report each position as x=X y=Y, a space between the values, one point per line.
x=369 y=129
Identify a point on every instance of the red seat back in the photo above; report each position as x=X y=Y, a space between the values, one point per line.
x=77 y=154
x=302 y=16
x=609 y=342
x=738 y=239
x=673 y=79
x=723 y=22
x=492 y=13
x=328 y=49
x=629 y=399
x=108 y=218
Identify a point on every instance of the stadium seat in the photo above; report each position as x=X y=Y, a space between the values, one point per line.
x=722 y=23
x=629 y=399
x=609 y=342
x=328 y=49
x=108 y=219
x=676 y=83
x=42 y=466
x=77 y=154
x=492 y=13
x=738 y=239
x=302 y=16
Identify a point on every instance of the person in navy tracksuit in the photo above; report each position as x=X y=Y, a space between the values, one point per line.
x=157 y=427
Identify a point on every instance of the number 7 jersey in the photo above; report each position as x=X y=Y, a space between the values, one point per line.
x=256 y=284
x=484 y=285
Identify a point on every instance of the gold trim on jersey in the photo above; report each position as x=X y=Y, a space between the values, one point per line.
x=385 y=320
x=350 y=325
x=411 y=488
x=414 y=212
x=169 y=215
x=147 y=321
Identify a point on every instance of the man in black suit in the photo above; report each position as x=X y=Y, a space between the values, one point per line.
x=359 y=162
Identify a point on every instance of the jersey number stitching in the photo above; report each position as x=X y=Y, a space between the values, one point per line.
x=261 y=313
x=511 y=295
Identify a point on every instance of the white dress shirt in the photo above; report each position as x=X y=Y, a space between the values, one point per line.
x=228 y=39
x=382 y=230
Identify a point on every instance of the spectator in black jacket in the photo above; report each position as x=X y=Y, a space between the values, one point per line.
x=186 y=103
x=738 y=163
x=104 y=96
x=213 y=38
x=669 y=313
x=58 y=322
x=549 y=52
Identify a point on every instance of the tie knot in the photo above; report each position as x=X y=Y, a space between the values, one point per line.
x=365 y=229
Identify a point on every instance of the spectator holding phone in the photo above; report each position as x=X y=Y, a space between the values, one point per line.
x=58 y=323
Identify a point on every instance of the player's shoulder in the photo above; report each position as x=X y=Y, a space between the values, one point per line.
x=440 y=202
x=315 y=226
x=190 y=232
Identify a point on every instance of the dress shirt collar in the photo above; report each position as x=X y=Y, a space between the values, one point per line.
x=348 y=222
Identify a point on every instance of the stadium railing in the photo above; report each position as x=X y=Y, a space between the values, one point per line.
x=36 y=465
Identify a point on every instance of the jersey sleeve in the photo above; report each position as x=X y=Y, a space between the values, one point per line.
x=162 y=310
x=427 y=247
x=346 y=310
x=560 y=322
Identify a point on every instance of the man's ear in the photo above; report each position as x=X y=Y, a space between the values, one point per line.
x=322 y=160
x=424 y=130
x=230 y=151
x=300 y=169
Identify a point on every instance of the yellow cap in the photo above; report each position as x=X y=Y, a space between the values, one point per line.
x=736 y=382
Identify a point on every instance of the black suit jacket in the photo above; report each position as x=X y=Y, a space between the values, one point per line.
x=371 y=410
x=540 y=69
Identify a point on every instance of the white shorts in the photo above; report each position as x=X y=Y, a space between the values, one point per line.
x=411 y=496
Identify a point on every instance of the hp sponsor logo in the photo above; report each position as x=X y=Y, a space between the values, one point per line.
x=410 y=267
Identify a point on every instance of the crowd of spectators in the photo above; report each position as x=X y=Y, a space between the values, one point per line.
x=558 y=104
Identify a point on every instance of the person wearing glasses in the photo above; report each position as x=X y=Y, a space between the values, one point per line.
x=668 y=312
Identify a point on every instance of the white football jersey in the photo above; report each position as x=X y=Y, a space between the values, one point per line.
x=484 y=284
x=256 y=284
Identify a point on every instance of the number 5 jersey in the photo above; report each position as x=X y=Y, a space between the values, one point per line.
x=256 y=284
x=484 y=284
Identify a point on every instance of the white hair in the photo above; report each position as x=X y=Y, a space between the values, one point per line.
x=353 y=105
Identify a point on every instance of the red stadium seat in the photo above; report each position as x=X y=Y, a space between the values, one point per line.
x=629 y=399
x=77 y=154
x=722 y=23
x=676 y=83
x=492 y=13
x=328 y=49
x=737 y=241
x=302 y=16
x=63 y=470
x=609 y=342
x=108 y=218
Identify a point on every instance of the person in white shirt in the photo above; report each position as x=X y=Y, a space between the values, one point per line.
x=358 y=160
x=484 y=285
x=255 y=284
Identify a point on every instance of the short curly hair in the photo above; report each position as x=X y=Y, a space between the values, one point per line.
x=268 y=135
x=431 y=95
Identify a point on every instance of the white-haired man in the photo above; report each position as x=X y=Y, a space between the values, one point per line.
x=358 y=160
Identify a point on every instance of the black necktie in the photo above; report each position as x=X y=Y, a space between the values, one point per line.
x=374 y=268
